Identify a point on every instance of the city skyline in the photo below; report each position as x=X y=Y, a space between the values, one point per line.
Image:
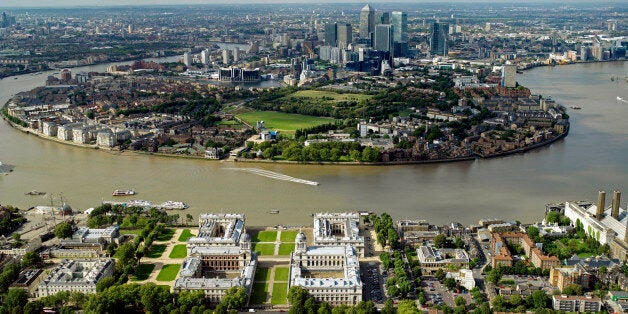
x=74 y=3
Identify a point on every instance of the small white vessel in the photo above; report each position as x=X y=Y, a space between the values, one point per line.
x=173 y=205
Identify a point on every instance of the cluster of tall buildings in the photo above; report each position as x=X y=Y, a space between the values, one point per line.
x=6 y=20
x=384 y=31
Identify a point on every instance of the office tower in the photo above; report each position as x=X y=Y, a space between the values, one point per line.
x=383 y=37
x=205 y=56
x=344 y=35
x=438 y=39
x=399 y=21
x=225 y=56
x=5 y=22
x=509 y=75
x=367 y=22
x=130 y=29
x=236 y=54
x=382 y=17
x=187 y=59
x=330 y=34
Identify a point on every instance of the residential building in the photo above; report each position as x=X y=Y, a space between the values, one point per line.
x=464 y=277
x=329 y=273
x=509 y=75
x=432 y=259
x=334 y=229
x=561 y=277
x=502 y=255
x=576 y=303
x=77 y=276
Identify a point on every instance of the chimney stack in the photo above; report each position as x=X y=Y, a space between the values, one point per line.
x=616 y=201
x=601 y=198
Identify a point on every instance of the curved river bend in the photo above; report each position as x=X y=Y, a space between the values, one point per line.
x=592 y=157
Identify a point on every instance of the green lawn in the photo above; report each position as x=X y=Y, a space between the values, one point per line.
x=168 y=272
x=179 y=251
x=185 y=235
x=281 y=274
x=260 y=293
x=283 y=121
x=166 y=235
x=262 y=274
x=264 y=248
x=143 y=272
x=156 y=250
x=288 y=236
x=134 y=231
x=286 y=248
x=280 y=293
x=328 y=94
x=265 y=236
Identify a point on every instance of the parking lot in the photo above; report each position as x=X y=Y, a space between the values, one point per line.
x=372 y=279
x=437 y=294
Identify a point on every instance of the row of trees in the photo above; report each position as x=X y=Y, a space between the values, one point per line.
x=10 y=221
x=385 y=230
x=327 y=151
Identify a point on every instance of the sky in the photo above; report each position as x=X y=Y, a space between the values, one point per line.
x=76 y=3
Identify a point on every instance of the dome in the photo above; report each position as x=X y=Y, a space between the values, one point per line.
x=245 y=237
x=300 y=237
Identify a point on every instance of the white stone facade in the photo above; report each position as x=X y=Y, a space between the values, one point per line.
x=76 y=275
x=338 y=229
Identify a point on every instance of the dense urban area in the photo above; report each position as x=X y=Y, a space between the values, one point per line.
x=331 y=83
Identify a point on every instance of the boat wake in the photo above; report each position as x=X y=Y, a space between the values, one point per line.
x=621 y=99
x=274 y=175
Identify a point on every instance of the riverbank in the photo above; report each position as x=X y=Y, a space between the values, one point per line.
x=540 y=65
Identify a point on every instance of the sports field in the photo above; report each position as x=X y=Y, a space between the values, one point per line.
x=330 y=95
x=280 y=121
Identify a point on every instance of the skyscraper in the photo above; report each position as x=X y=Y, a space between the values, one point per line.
x=187 y=59
x=367 y=22
x=438 y=39
x=344 y=35
x=399 y=21
x=331 y=38
x=383 y=37
x=509 y=75
x=5 y=22
x=382 y=17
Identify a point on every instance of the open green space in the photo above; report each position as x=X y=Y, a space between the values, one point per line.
x=264 y=248
x=288 y=236
x=168 y=272
x=262 y=274
x=330 y=95
x=143 y=272
x=260 y=293
x=283 y=121
x=179 y=251
x=286 y=248
x=265 y=236
x=185 y=235
x=166 y=235
x=280 y=293
x=281 y=273
x=156 y=250
x=134 y=231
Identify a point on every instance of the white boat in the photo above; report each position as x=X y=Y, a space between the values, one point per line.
x=139 y=203
x=123 y=192
x=173 y=205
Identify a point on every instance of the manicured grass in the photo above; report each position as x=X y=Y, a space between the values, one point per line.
x=288 y=236
x=281 y=273
x=585 y=255
x=143 y=272
x=260 y=293
x=262 y=274
x=166 y=235
x=265 y=236
x=264 y=248
x=185 y=235
x=156 y=251
x=135 y=231
x=283 y=121
x=179 y=251
x=328 y=94
x=168 y=272
x=280 y=293
x=286 y=248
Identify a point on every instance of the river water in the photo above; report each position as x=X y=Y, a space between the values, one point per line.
x=592 y=157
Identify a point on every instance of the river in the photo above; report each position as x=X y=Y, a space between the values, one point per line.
x=516 y=187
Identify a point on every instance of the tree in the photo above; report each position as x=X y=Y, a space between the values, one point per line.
x=63 y=230
x=17 y=237
x=439 y=274
x=460 y=301
x=539 y=299
x=450 y=283
x=16 y=298
x=439 y=241
x=105 y=283
x=407 y=306
x=494 y=276
x=459 y=243
x=189 y=218
x=515 y=300
x=324 y=308
x=553 y=217
x=310 y=306
x=533 y=232
x=389 y=307
x=30 y=259
x=234 y=298
x=573 y=289
x=499 y=303
x=297 y=297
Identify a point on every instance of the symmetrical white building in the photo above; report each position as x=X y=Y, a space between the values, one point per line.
x=432 y=259
x=219 y=257
x=334 y=229
x=329 y=273
x=76 y=275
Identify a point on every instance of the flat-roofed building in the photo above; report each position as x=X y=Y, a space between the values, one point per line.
x=76 y=275
x=29 y=280
x=576 y=303
x=433 y=259
x=329 y=273
x=334 y=229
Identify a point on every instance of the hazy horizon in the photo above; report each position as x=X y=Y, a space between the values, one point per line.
x=105 y=3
